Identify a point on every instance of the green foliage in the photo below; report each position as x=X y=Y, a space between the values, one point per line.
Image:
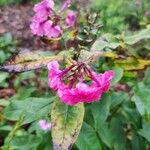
x=10 y=2
x=30 y=109
x=120 y=15
x=88 y=139
x=141 y=97
x=27 y=142
x=7 y=46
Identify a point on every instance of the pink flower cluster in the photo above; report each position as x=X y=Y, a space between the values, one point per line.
x=45 y=22
x=77 y=90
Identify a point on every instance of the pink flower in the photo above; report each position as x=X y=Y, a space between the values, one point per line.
x=52 y=31
x=43 y=9
x=53 y=76
x=71 y=18
x=44 y=125
x=45 y=4
x=81 y=93
x=46 y=20
x=37 y=28
x=77 y=89
x=42 y=25
x=65 y=5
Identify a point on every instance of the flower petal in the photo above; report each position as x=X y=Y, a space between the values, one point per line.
x=50 y=30
x=37 y=28
x=82 y=93
x=53 y=76
x=71 y=18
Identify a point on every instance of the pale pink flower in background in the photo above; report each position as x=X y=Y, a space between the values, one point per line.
x=44 y=125
x=77 y=90
x=71 y=18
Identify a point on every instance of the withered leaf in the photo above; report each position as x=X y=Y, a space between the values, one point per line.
x=28 y=60
x=131 y=63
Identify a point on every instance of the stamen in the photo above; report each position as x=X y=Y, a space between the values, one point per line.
x=66 y=70
x=89 y=73
x=72 y=81
x=75 y=71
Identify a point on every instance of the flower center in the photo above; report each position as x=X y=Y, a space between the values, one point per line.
x=77 y=73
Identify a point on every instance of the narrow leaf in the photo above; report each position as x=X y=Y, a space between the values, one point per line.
x=27 y=60
x=131 y=63
x=141 y=35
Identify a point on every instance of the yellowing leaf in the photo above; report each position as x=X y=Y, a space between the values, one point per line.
x=110 y=55
x=132 y=63
x=67 y=122
x=73 y=34
x=27 y=60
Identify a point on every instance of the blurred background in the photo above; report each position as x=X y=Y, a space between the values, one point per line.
x=116 y=16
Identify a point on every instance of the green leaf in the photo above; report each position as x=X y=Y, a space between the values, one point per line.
x=118 y=75
x=26 y=142
x=117 y=98
x=145 y=131
x=147 y=77
x=88 y=139
x=106 y=41
x=4 y=102
x=105 y=134
x=141 y=35
x=3 y=76
x=118 y=134
x=100 y=110
x=142 y=99
x=5 y=128
x=6 y=40
x=67 y=122
x=2 y=56
x=23 y=95
x=31 y=109
x=110 y=41
x=100 y=113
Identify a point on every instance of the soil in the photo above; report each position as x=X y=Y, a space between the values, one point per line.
x=16 y=19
